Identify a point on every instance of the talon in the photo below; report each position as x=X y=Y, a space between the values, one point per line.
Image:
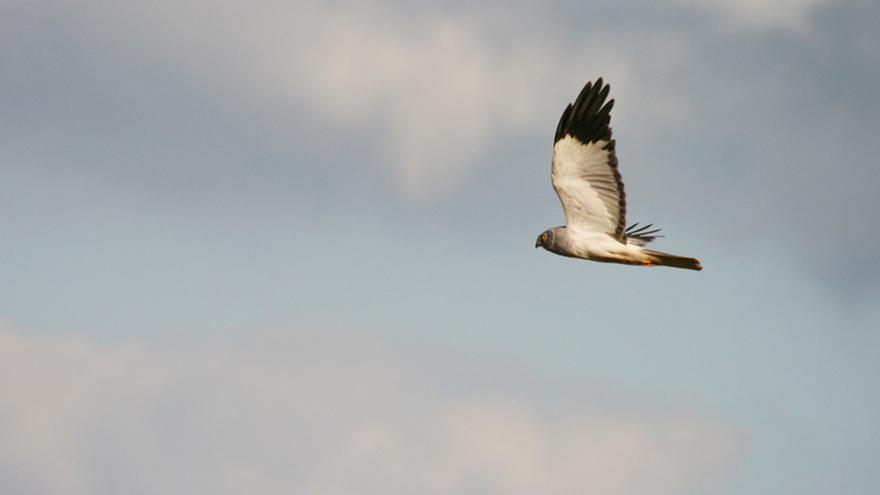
x=648 y=263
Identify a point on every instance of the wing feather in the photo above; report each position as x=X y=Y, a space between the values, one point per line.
x=584 y=171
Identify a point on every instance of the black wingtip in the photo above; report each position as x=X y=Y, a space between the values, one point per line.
x=588 y=118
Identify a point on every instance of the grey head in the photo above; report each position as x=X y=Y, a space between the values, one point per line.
x=548 y=238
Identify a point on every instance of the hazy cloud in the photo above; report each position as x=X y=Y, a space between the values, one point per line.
x=326 y=414
x=789 y=15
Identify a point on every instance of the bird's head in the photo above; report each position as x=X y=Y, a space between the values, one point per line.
x=545 y=239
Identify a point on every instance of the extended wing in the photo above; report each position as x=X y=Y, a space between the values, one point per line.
x=584 y=171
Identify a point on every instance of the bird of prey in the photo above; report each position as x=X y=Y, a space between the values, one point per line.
x=585 y=176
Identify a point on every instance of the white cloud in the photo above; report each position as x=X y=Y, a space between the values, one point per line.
x=436 y=88
x=324 y=414
x=436 y=91
x=787 y=15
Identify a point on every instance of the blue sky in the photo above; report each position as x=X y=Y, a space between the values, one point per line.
x=287 y=246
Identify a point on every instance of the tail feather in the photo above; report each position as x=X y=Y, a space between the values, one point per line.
x=665 y=259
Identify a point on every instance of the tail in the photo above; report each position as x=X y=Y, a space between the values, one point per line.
x=664 y=259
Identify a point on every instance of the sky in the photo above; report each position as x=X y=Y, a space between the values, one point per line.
x=287 y=247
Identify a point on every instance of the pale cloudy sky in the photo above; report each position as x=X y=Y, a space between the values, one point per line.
x=287 y=247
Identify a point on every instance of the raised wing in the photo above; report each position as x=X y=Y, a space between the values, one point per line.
x=584 y=171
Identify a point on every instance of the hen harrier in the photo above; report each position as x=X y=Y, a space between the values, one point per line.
x=586 y=179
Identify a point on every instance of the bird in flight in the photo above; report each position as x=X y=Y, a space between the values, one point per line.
x=585 y=176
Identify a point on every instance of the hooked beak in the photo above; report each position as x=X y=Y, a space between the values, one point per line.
x=537 y=243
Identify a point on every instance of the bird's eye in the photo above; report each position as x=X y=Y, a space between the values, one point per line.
x=543 y=237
